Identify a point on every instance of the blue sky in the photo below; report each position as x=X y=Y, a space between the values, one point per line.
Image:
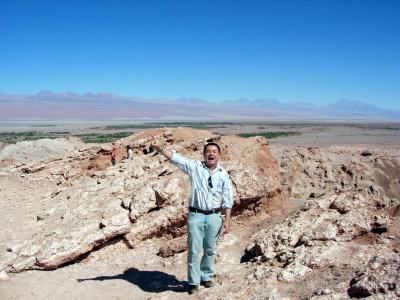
x=312 y=51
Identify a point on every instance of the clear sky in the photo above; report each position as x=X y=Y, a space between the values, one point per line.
x=312 y=51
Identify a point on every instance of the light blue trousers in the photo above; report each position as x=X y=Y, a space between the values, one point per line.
x=203 y=233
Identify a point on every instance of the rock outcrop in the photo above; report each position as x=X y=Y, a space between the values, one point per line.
x=380 y=276
x=332 y=230
x=309 y=172
x=43 y=149
x=85 y=202
x=340 y=237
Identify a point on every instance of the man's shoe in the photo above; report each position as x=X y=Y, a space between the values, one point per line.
x=207 y=284
x=193 y=289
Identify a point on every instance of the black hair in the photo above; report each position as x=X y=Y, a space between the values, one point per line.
x=211 y=144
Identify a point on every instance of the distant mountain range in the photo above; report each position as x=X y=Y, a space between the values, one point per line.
x=47 y=105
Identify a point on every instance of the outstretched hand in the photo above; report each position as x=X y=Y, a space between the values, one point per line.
x=160 y=149
x=155 y=145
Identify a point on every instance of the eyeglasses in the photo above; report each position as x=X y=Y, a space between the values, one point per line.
x=210 y=182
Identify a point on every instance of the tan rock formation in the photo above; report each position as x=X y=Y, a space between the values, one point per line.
x=338 y=235
x=137 y=199
x=314 y=172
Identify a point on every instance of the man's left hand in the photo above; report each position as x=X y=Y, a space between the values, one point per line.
x=225 y=228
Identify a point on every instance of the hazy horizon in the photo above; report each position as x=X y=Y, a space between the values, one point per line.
x=293 y=51
x=193 y=99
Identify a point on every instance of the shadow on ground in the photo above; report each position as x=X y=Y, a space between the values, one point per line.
x=149 y=281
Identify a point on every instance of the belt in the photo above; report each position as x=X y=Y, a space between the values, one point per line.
x=204 y=212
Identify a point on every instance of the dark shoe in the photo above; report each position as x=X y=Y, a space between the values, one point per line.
x=193 y=289
x=207 y=284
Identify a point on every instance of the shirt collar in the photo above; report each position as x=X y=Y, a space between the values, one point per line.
x=218 y=168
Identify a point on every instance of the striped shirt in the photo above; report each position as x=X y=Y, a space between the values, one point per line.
x=203 y=196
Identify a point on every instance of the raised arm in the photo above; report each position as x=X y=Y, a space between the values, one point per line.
x=185 y=164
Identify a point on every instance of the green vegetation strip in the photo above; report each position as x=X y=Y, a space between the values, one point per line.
x=103 y=138
x=14 y=137
x=197 y=125
x=270 y=134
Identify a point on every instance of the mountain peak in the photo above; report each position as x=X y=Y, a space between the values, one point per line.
x=45 y=93
x=344 y=104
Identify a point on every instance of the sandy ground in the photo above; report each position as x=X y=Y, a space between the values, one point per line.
x=117 y=272
x=342 y=135
x=114 y=272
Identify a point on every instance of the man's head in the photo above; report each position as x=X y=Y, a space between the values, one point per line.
x=211 y=154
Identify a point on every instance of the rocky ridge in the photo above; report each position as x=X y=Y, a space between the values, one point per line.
x=310 y=223
x=136 y=200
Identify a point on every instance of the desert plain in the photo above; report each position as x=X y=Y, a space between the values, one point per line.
x=316 y=212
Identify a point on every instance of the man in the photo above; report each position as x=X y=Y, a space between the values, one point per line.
x=113 y=154
x=129 y=152
x=211 y=192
